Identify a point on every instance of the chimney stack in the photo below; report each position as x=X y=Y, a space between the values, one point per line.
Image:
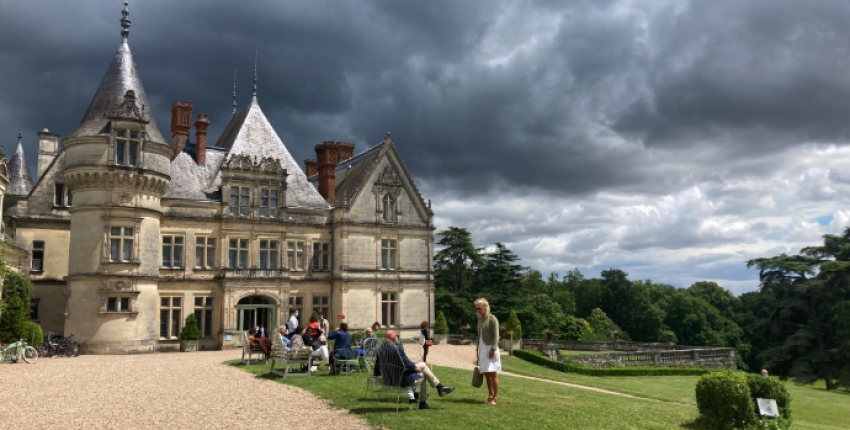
x=201 y=138
x=181 y=123
x=328 y=156
x=48 y=147
x=310 y=167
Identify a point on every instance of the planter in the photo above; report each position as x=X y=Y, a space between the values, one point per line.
x=441 y=339
x=188 y=345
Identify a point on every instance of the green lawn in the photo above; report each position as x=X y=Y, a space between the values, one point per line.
x=522 y=404
x=812 y=408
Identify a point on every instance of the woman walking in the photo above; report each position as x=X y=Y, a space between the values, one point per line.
x=425 y=340
x=489 y=362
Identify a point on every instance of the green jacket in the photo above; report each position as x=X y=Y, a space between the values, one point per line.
x=488 y=330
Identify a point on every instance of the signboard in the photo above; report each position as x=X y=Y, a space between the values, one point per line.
x=768 y=407
x=341 y=317
x=511 y=332
x=228 y=337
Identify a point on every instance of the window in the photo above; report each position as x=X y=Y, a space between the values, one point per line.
x=295 y=254
x=268 y=203
x=268 y=254
x=296 y=302
x=389 y=309
x=389 y=207
x=169 y=317
x=117 y=304
x=322 y=305
x=239 y=197
x=37 y=256
x=121 y=244
x=61 y=196
x=127 y=148
x=204 y=252
x=238 y=255
x=389 y=254
x=321 y=257
x=34 y=308
x=204 y=315
x=172 y=251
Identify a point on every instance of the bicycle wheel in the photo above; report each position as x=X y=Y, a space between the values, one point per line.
x=43 y=351
x=30 y=355
x=76 y=349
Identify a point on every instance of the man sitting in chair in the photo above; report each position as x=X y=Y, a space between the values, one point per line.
x=418 y=373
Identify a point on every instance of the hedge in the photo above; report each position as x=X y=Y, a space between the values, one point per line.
x=762 y=387
x=609 y=371
x=723 y=400
x=33 y=333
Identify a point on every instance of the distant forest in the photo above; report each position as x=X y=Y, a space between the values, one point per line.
x=796 y=325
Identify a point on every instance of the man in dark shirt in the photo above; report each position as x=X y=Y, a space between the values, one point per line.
x=413 y=373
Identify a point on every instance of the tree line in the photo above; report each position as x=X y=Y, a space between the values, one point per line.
x=797 y=324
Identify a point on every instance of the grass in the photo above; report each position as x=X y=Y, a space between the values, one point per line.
x=812 y=407
x=523 y=404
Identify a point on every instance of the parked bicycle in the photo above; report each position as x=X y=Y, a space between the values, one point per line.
x=63 y=346
x=19 y=349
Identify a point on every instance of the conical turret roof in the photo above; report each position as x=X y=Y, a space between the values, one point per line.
x=120 y=77
x=20 y=179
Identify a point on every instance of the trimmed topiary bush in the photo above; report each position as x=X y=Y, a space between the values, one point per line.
x=440 y=325
x=16 y=305
x=770 y=388
x=191 y=330
x=33 y=333
x=513 y=324
x=724 y=401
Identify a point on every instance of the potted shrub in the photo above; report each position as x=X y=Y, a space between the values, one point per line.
x=441 y=330
x=190 y=334
x=512 y=325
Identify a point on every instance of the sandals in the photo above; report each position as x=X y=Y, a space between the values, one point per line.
x=492 y=400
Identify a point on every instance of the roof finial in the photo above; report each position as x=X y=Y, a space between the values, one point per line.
x=125 y=22
x=234 y=91
x=20 y=137
x=256 y=56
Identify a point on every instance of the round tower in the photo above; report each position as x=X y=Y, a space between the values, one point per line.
x=117 y=167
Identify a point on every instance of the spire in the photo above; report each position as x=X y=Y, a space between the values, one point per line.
x=125 y=22
x=120 y=77
x=256 y=56
x=20 y=178
x=234 y=91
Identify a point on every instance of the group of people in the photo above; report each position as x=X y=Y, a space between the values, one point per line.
x=416 y=376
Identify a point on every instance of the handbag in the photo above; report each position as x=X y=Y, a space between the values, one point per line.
x=429 y=342
x=477 y=377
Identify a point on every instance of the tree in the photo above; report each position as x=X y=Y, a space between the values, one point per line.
x=540 y=313
x=603 y=328
x=502 y=280
x=512 y=324
x=455 y=265
x=717 y=296
x=440 y=325
x=16 y=300
x=191 y=330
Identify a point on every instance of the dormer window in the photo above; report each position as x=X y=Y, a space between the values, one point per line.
x=61 y=196
x=389 y=207
x=127 y=147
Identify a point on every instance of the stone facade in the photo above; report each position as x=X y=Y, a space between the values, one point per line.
x=128 y=234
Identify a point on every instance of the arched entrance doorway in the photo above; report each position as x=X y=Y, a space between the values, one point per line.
x=254 y=310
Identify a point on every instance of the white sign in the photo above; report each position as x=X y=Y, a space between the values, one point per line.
x=768 y=407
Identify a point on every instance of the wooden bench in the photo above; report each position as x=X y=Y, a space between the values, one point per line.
x=293 y=358
x=249 y=352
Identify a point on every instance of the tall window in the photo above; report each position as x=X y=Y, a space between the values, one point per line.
x=121 y=244
x=172 y=251
x=169 y=317
x=389 y=254
x=61 y=196
x=268 y=254
x=37 y=256
x=322 y=305
x=389 y=309
x=268 y=203
x=295 y=254
x=296 y=302
x=204 y=252
x=127 y=148
x=239 y=197
x=321 y=257
x=389 y=207
x=204 y=315
x=238 y=255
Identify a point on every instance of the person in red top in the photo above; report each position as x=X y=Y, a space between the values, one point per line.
x=312 y=335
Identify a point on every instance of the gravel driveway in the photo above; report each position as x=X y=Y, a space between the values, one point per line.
x=170 y=390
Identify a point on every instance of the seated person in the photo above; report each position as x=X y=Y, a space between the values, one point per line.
x=368 y=342
x=342 y=345
x=296 y=340
x=313 y=338
x=281 y=336
x=258 y=343
x=413 y=374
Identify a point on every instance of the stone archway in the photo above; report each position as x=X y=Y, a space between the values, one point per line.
x=255 y=309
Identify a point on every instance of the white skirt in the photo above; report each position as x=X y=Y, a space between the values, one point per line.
x=485 y=363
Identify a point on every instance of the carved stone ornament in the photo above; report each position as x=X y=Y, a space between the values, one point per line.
x=389 y=177
x=129 y=109
x=126 y=199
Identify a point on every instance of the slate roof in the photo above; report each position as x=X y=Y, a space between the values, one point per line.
x=120 y=77
x=250 y=133
x=20 y=179
x=192 y=182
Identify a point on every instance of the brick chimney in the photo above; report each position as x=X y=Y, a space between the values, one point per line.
x=181 y=122
x=310 y=167
x=201 y=138
x=328 y=155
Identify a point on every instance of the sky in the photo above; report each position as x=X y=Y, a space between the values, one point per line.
x=674 y=140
